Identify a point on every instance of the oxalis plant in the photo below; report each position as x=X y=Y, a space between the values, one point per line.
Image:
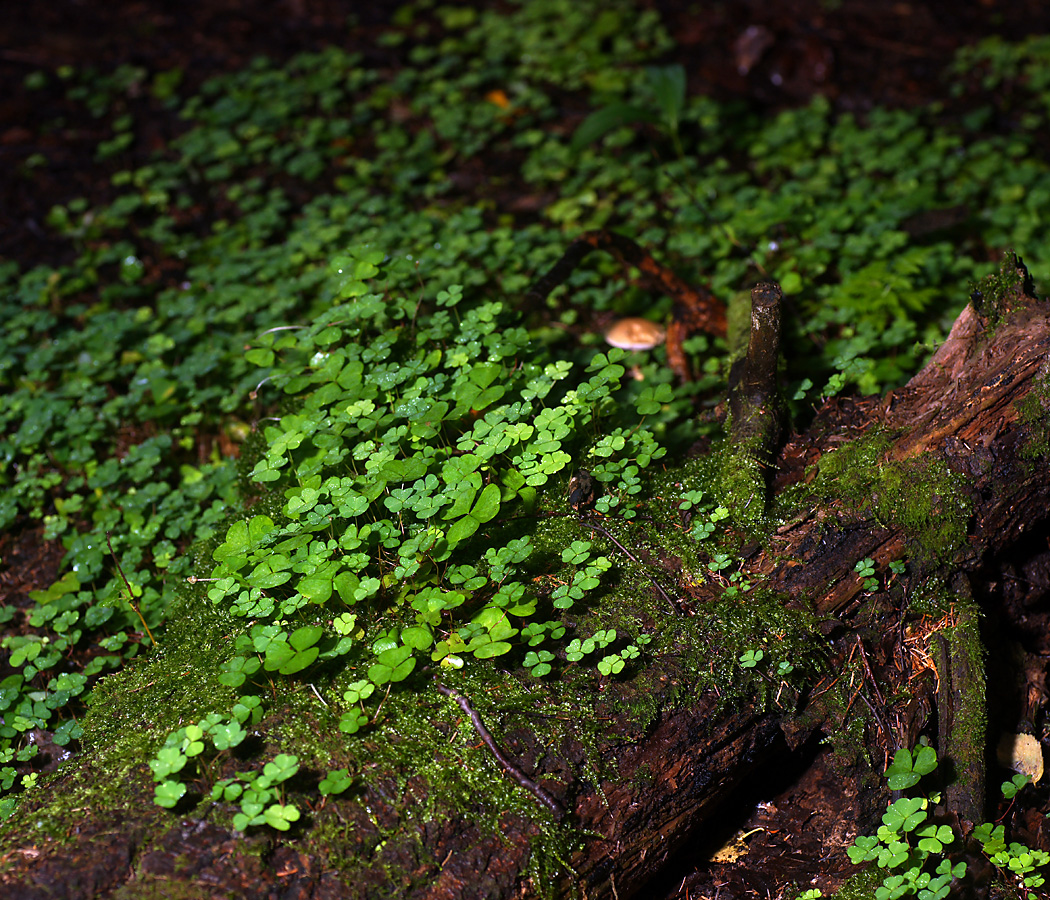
x=398 y=497
x=411 y=438
x=915 y=850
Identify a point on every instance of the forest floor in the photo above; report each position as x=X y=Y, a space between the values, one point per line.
x=861 y=54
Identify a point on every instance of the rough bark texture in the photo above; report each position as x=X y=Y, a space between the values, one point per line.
x=963 y=408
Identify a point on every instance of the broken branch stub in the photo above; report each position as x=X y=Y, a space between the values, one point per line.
x=754 y=419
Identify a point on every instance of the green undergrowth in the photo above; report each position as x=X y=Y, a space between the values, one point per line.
x=410 y=524
x=916 y=850
x=295 y=279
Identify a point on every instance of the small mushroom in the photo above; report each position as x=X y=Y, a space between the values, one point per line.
x=1022 y=753
x=635 y=334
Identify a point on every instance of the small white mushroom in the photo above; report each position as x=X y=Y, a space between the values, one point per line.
x=635 y=334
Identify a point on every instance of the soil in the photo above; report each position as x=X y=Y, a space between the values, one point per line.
x=860 y=53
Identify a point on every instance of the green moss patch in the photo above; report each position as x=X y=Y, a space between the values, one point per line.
x=921 y=496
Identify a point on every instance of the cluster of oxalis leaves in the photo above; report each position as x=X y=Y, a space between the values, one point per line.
x=400 y=493
x=422 y=428
x=123 y=373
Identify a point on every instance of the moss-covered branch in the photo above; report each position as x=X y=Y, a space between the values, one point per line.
x=754 y=417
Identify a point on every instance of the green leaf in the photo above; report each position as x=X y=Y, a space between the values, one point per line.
x=317 y=588
x=300 y=661
x=260 y=356
x=241 y=537
x=652 y=398
x=169 y=793
x=289 y=654
x=305 y=637
x=281 y=816
x=487 y=505
x=279 y=653
x=668 y=86
x=345 y=623
x=417 y=637
x=281 y=768
x=905 y=771
x=335 y=782
x=905 y=814
x=228 y=736
x=492 y=650
x=168 y=761
x=609 y=118
x=392 y=665
x=461 y=530
x=925 y=760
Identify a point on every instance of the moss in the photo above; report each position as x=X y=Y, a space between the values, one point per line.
x=422 y=756
x=753 y=423
x=997 y=295
x=1034 y=411
x=921 y=496
x=962 y=709
x=743 y=484
x=861 y=886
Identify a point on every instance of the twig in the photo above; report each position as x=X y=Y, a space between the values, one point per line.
x=512 y=770
x=875 y=687
x=754 y=417
x=131 y=593
x=675 y=605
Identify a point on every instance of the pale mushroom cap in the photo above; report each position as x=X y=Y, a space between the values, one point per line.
x=635 y=334
x=1022 y=753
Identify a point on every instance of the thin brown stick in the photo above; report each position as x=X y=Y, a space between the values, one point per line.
x=131 y=593
x=675 y=605
x=512 y=770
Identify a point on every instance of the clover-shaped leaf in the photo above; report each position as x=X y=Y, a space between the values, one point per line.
x=168 y=761
x=392 y=665
x=168 y=793
x=281 y=768
x=906 y=770
x=335 y=782
x=352 y=722
x=228 y=735
x=905 y=814
x=358 y=691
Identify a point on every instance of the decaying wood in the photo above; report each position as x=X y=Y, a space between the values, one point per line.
x=962 y=408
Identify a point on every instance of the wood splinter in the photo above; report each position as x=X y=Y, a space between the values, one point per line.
x=512 y=770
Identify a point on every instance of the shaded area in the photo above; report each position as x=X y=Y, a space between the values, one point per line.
x=859 y=54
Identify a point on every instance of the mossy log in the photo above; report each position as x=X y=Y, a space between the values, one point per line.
x=972 y=419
